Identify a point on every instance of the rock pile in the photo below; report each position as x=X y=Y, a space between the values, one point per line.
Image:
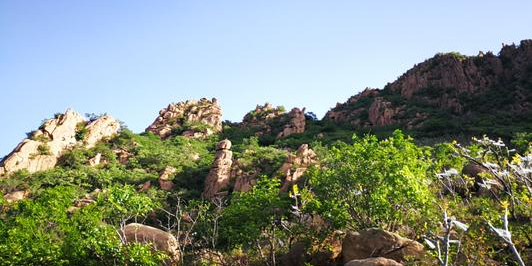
x=190 y=118
x=44 y=146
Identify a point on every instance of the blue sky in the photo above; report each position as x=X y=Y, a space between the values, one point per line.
x=131 y=58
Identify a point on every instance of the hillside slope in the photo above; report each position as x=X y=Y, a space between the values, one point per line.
x=450 y=94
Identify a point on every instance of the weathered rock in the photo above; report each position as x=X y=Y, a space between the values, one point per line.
x=145 y=186
x=103 y=127
x=381 y=112
x=41 y=151
x=95 y=161
x=444 y=93
x=374 y=262
x=16 y=196
x=164 y=179
x=190 y=118
x=296 y=166
x=296 y=124
x=261 y=114
x=220 y=173
x=266 y=119
x=160 y=239
x=379 y=243
x=292 y=169
x=122 y=155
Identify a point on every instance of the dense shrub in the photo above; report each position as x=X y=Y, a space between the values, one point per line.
x=379 y=183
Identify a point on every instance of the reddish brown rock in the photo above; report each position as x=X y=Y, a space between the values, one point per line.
x=296 y=124
x=374 y=262
x=264 y=117
x=164 y=179
x=447 y=86
x=381 y=112
x=379 y=243
x=190 y=118
x=220 y=173
x=145 y=186
x=296 y=165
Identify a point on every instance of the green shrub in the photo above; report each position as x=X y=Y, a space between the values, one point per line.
x=379 y=183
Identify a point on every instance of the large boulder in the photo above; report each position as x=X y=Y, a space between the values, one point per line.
x=190 y=118
x=376 y=242
x=161 y=240
x=374 y=262
x=220 y=173
x=45 y=145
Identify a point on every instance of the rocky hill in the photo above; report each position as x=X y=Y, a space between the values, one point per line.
x=284 y=188
x=450 y=94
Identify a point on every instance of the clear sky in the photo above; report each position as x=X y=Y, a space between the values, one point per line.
x=131 y=58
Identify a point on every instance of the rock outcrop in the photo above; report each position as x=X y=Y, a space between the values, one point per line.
x=296 y=165
x=266 y=119
x=295 y=125
x=161 y=240
x=101 y=128
x=379 y=243
x=382 y=112
x=190 y=118
x=292 y=170
x=44 y=146
x=450 y=94
x=373 y=262
x=220 y=173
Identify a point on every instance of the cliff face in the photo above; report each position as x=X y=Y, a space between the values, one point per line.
x=450 y=93
x=45 y=145
x=190 y=118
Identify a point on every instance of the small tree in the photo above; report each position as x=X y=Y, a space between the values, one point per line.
x=255 y=216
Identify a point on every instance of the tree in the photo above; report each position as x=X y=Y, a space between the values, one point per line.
x=378 y=183
x=255 y=216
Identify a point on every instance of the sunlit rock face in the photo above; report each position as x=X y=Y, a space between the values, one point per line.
x=220 y=173
x=267 y=119
x=45 y=145
x=448 y=86
x=189 y=118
